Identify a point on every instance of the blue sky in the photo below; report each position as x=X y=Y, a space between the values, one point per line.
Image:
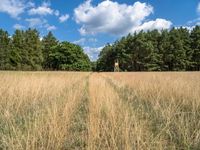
x=94 y=23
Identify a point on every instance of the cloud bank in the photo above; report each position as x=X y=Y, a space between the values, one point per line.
x=117 y=19
x=43 y=10
x=14 y=7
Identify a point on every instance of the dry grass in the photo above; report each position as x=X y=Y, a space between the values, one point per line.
x=169 y=103
x=58 y=110
x=36 y=108
x=109 y=122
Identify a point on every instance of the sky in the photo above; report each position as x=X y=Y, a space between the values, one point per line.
x=94 y=23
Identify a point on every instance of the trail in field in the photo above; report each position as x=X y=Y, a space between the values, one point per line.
x=138 y=109
x=160 y=126
x=97 y=111
x=77 y=135
x=110 y=124
x=148 y=118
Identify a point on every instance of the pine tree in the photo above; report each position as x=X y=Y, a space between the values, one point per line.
x=48 y=42
x=106 y=59
x=18 y=55
x=140 y=51
x=33 y=49
x=175 y=54
x=154 y=58
x=164 y=46
x=120 y=50
x=195 y=46
x=4 y=50
x=173 y=50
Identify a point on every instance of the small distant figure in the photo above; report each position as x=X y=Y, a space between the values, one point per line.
x=116 y=67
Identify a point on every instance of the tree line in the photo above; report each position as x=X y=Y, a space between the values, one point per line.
x=177 y=49
x=25 y=51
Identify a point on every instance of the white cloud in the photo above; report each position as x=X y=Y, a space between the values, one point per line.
x=40 y=23
x=84 y=41
x=12 y=7
x=64 y=18
x=192 y=23
x=158 y=24
x=36 y=22
x=57 y=13
x=50 y=27
x=93 y=52
x=198 y=8
x=80 y=41
x=43 y=10
x=114 y=18
x=18 y=26
x=190 y=28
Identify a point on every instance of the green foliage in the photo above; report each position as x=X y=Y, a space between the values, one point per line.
x=48 y=42
x=25 y=51
x=195 y=45
x=4 y=50
x=94 y=66
x=70 y=57
x=106 y=59
x=174 y=50
x=18 y=54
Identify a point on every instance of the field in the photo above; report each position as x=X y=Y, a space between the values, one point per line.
x=114 y=111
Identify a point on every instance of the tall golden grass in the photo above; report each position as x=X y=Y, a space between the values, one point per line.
x=110 y=124
x=59 y=110
x=168 y=103
x=36 y=108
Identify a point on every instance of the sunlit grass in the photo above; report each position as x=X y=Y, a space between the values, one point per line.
x=36 y=108
x=169 y=103
x=60 y=110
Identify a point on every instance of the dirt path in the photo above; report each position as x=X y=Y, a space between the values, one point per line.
x=159 y=131
x=110 y=124
x=77 y=136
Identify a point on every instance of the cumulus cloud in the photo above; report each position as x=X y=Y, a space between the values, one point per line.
x=80 y=41
x=64 y=18
x=50 y=27
x=190 y=28
x=56 y=12
x=13 y=7
x=36 y=22
x=158 y=24
x=93 y=52
x=16 y=7
x=114 y=18
x=195 y=21
x=40 y=23
x=84 y=41
x=18 y=26
x=44 y=9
